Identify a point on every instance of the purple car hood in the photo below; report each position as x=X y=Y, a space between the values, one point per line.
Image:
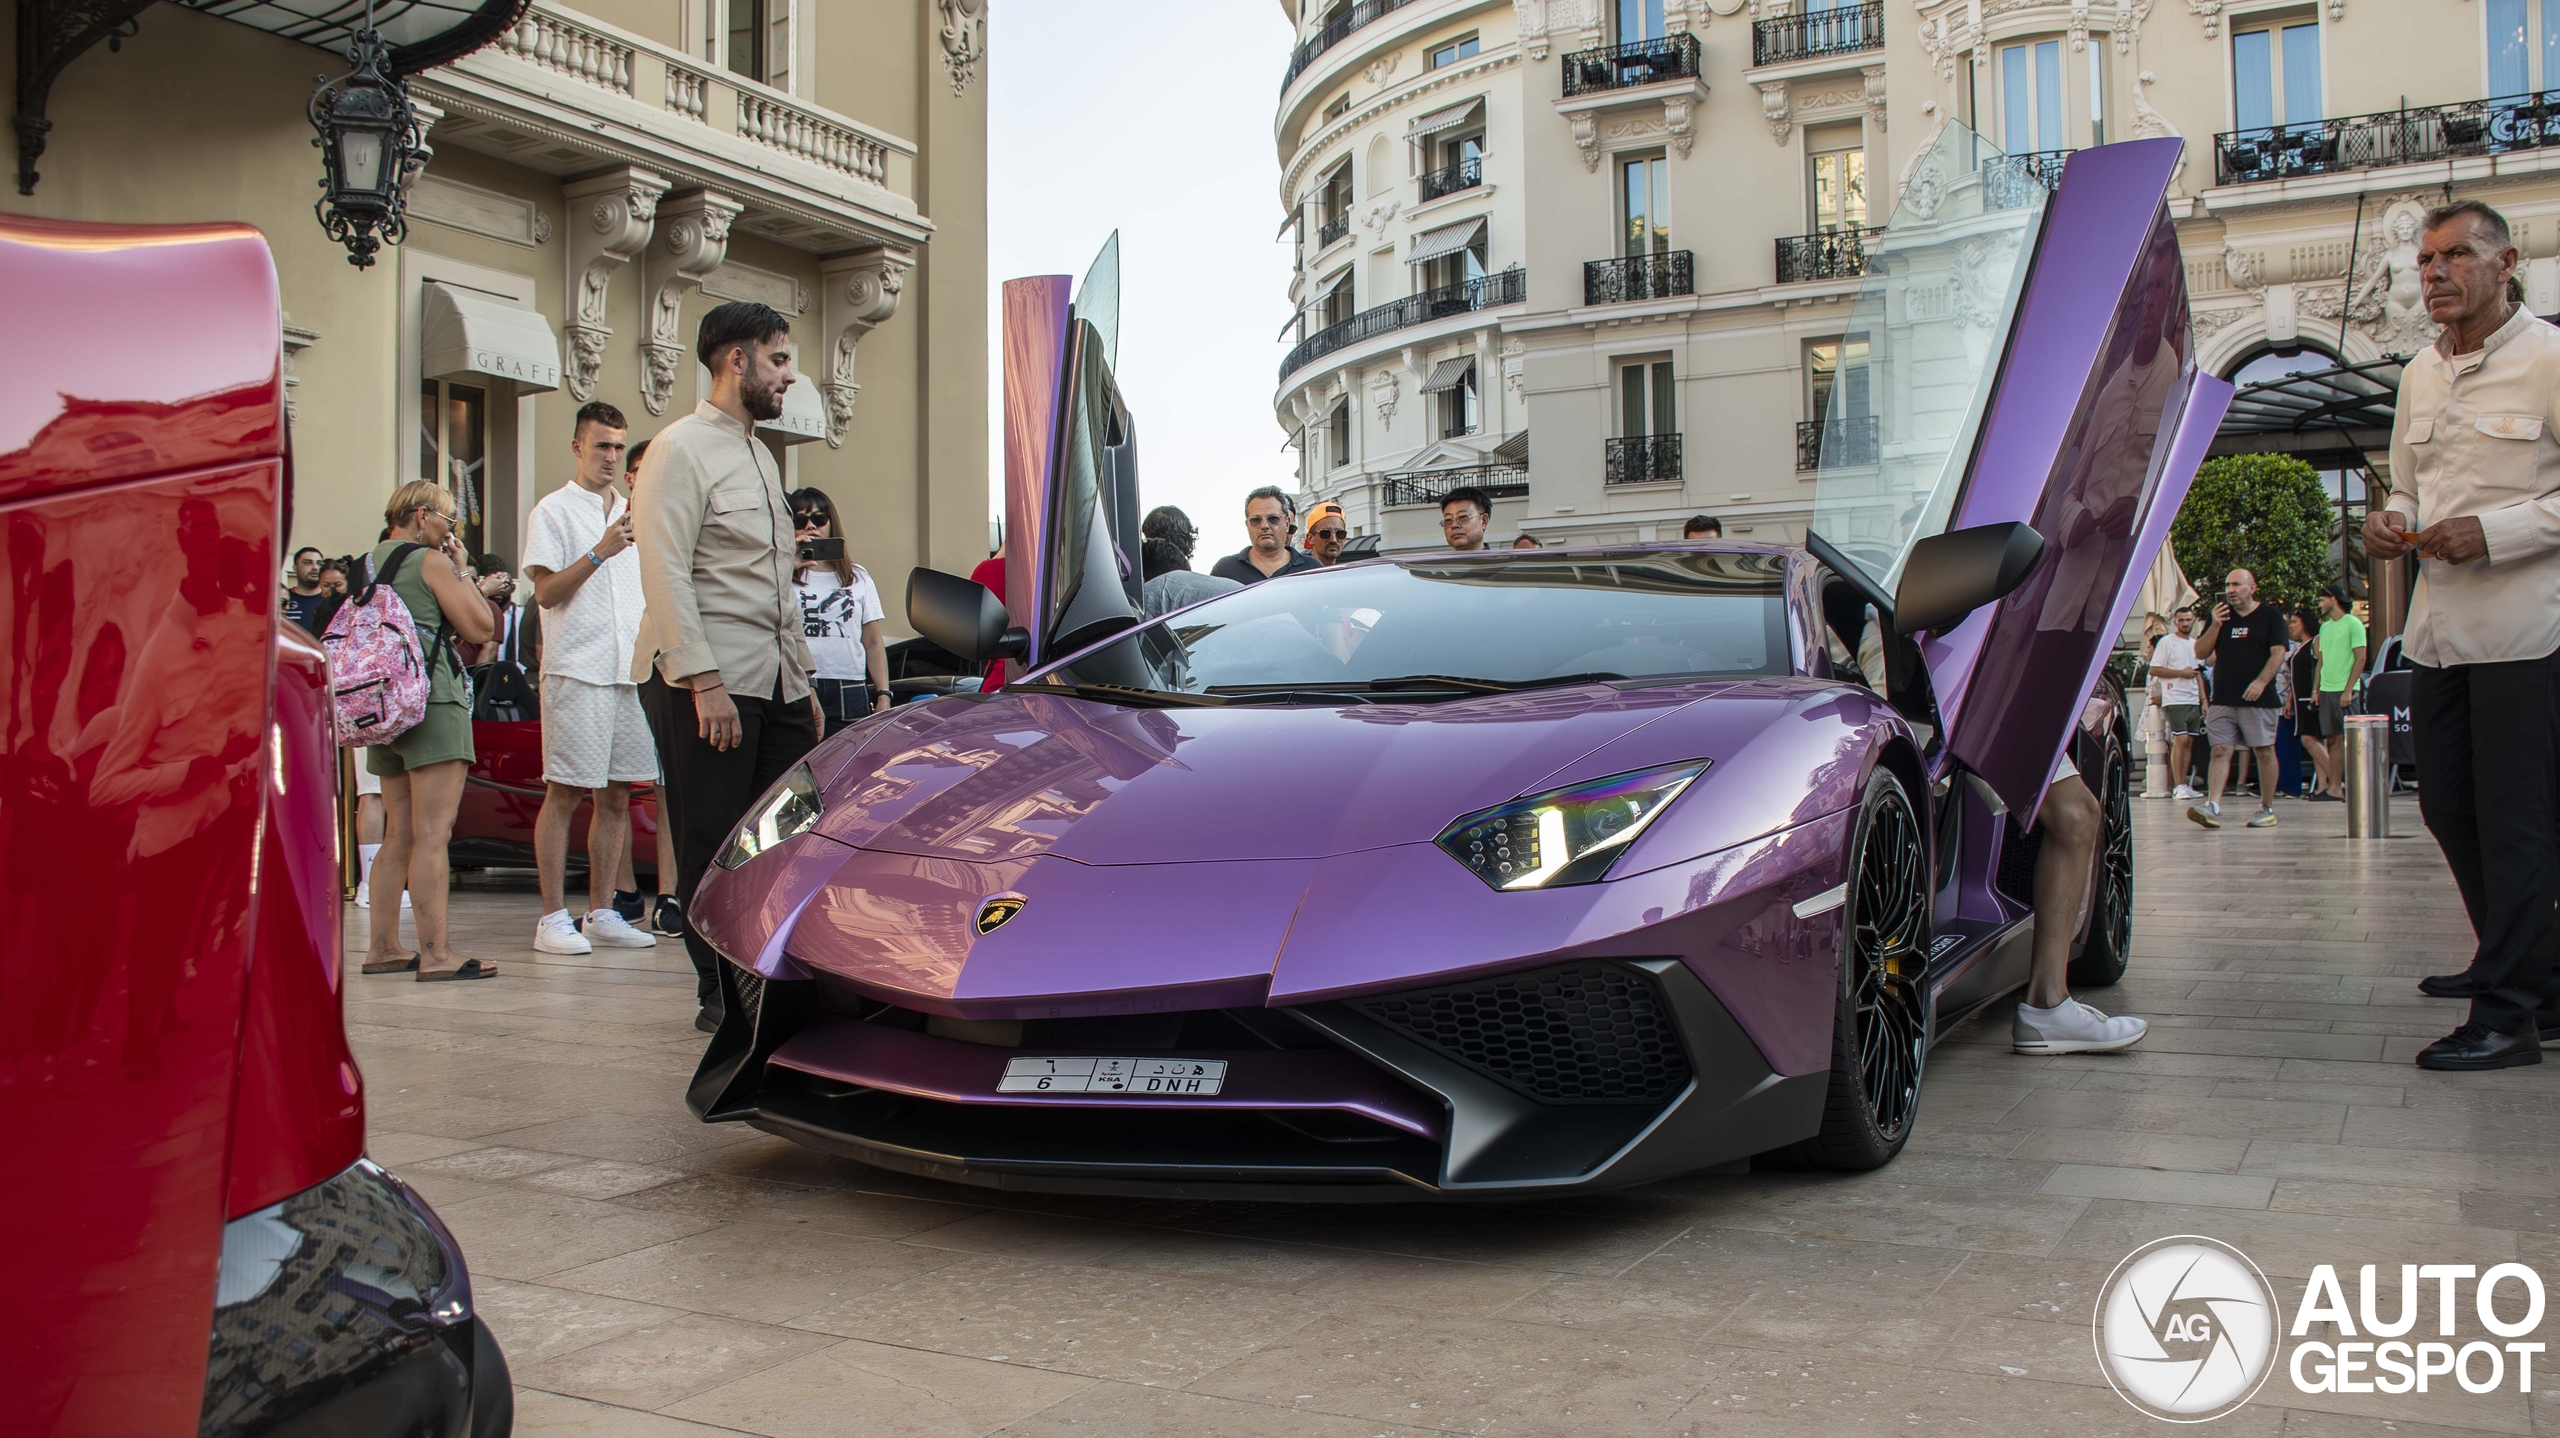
x=1024 y=775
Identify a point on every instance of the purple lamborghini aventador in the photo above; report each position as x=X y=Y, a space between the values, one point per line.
x=1629 y=859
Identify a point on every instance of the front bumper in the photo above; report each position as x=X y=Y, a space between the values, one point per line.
x=1585 y=1074
x=346 y=1309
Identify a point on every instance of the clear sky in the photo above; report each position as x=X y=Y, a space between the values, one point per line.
x=1153 y=117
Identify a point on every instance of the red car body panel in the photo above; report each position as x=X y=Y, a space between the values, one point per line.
x=503 y=792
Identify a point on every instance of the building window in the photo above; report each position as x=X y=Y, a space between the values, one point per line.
x=1462 y=48
x=2031 y=97
x=1835 y=371
x=2524 y=46
x=1838 y=187
x=2097 y=93
x=1639 y=20
x=1333 y=200
x=754 y=37
x=1647 y=399
x=2275 y=75
x=1644 y=206
x=1455 y=398
x=1337 y=305
x=453 y=450
x=1337 y=435
x=1459 y=267
x=1338 y=106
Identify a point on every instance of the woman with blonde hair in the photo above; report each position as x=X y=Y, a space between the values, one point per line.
x=421 y=771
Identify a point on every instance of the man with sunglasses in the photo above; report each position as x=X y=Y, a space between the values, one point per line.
x=1464 y=513
x=1268 y=554
x=1326 y=533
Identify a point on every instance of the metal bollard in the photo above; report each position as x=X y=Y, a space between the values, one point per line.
x=2368 y=776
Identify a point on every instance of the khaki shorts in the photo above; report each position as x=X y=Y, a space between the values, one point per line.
x=444 y=734
x=2241 y=725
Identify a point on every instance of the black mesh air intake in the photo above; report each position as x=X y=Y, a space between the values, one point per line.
x=2016 y=876
x=1587 y=1032
x=750 y=987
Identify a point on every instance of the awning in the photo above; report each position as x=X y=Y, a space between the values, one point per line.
x=1290 y=223
x=473 y=332
x=422 y=33
x=803 y=417
x=1514 y=450
x=1446 y=240
x=1448 y=119
x=1449 y=374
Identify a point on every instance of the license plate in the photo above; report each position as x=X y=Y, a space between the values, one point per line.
x=1186 y=1078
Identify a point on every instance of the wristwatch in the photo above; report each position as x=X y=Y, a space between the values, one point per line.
x=591 y=559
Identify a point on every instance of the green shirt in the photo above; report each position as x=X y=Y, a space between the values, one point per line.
x=2340 y=638
x=444 y=667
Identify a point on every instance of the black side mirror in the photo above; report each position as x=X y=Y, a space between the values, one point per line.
x=1948 y=576
x=962 y=616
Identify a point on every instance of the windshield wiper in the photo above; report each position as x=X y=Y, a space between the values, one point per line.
x=1484 y=686
x=1121 y=694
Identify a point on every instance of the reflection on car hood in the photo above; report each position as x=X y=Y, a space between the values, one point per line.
x=1021 y=775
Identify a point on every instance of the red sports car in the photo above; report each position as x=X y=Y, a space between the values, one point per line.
x=198 y=1244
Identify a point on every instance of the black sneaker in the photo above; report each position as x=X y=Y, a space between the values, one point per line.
x=668 y=916
x=2476 y=1046
x=631 y=904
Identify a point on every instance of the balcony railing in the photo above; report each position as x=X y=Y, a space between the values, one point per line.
x=2404 y=136
x=1450 y=179
x=1639 y=277
x=1430 y=486
x=1332 y=230
x=2009 y=181
x=1838 y=443
x=1509 y=287
x=1643 y=62
x=1334 y=34
x=1844 y=31
x=1826 y=255
x=1641 y=459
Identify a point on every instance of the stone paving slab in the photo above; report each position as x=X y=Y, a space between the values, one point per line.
x=653 y=1277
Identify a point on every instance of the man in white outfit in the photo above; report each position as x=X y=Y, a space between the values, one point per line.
x=595 y=739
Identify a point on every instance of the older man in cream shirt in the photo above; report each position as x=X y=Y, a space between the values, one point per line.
x=2475 y=474
x=722 y=664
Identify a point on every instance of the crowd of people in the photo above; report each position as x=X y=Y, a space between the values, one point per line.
x=2234 y=682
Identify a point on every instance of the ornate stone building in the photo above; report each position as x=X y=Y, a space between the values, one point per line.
x=600 y=176
x=1667 y=202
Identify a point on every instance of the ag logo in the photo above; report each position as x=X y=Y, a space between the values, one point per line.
x=993 y=914
x=2186 y=1329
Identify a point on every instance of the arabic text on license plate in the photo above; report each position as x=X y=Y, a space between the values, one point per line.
x=1187 y=1078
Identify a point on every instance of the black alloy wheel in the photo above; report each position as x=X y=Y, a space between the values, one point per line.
x=1880 y=1039
x=2102 y=957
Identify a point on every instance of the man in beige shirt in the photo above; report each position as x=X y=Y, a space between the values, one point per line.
x=721 y=662
x=2475 y=467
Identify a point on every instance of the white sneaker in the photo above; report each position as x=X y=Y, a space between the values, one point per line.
x=2072 y=1027
x=558 y=934
x=606 y=929
x=2183 y=792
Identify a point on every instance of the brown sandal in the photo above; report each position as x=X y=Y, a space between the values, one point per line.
x=470 y=969
x=391 y=966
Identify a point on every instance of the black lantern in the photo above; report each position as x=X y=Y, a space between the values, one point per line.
x=370 y=145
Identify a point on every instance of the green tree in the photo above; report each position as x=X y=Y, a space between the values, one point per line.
x=2265 y=513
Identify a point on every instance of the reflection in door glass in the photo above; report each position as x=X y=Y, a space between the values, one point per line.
x=1934 y=312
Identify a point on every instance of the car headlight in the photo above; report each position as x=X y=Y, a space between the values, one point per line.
x=788 y=808
x=1564 y=836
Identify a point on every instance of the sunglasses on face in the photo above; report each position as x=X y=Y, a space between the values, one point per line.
x=808 y=521
x=1266 y=519
x=1447 y=520
x=1327 y=533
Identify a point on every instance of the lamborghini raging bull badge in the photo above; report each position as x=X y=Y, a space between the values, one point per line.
x=993 y=914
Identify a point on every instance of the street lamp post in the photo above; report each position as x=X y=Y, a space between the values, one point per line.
x=370 y=145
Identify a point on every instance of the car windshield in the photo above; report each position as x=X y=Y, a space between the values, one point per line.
x=1519 y=620
x=1902 y=394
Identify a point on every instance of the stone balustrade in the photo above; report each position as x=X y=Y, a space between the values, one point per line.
x=554 y=42
x=796 y=130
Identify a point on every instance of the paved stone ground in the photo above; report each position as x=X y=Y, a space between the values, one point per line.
x=654 y=1277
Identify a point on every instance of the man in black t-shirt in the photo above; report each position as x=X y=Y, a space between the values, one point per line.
x=305 y=602
x=2245 y=646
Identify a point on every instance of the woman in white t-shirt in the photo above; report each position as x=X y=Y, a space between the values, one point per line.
x=840 y=613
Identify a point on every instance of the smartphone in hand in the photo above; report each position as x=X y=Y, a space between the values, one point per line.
x=821 y=551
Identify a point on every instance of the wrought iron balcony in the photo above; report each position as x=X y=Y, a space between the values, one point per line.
x=1509 y=287
x=1334 y=33
x=1836 y=443
x=1450 y=179
x=2006 y=179
x=1782 y=39
x=1641 y=459
x=1619 y=67
x=1639 y=277
x=1825 y=255
x=1332 y=230
x=2406 y=136
x=1430 y=486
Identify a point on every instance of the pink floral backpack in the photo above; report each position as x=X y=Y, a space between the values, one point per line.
x=377 y=662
